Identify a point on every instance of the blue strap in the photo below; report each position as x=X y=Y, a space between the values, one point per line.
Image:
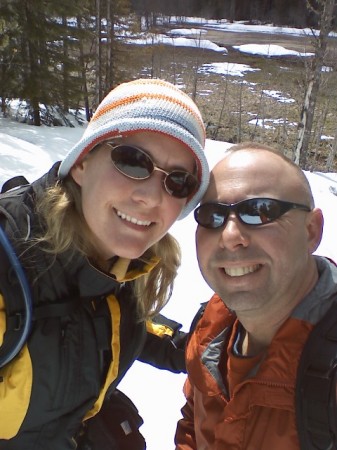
x=15 y=337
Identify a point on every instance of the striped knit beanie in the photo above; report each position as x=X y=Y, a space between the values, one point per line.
x=146 y=105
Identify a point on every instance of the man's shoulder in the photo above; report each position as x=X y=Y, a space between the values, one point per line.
x=212 y=318
x=216 y=306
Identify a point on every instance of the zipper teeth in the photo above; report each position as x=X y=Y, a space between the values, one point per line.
x=263 y=383
x=273 y=383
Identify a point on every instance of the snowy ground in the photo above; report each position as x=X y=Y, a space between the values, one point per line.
x=30 y=151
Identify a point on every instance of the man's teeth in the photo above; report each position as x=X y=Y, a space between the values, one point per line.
x=123 y=216
x=239 y=271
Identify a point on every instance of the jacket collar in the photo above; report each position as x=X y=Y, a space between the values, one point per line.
x=91 y=281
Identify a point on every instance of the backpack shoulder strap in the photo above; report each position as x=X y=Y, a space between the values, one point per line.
x=316 y=386
x=14 y=182
x=18 y=304
x=14 y=286
x=198 y=316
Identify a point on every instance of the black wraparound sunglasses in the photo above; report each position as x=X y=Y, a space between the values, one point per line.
x=134 y=163
x=253 y=211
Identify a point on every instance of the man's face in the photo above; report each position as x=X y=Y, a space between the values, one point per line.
x=259 y=268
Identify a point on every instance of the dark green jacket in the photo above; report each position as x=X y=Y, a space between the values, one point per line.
x=72 y=357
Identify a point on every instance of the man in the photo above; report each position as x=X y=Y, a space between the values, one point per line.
x=258 y=229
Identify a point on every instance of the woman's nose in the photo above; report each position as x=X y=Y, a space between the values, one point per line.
x=151 y=190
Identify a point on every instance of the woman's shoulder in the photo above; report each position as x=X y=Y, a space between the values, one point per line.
x=18 y=187
x=18 y=199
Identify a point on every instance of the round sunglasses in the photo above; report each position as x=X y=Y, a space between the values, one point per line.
x=254 y=211
x=134 y=163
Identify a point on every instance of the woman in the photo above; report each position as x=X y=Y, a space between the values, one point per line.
x=92 y=238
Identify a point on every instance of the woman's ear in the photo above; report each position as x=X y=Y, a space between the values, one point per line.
x=315 y=224
x=77 y=172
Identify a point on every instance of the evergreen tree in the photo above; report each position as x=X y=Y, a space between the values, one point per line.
x=10 y=70
x=39 y=58
x=111 y=20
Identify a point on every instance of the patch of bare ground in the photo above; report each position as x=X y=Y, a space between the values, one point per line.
x=262 y=105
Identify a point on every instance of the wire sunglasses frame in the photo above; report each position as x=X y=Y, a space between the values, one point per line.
x=252 y=212
x=136 y=164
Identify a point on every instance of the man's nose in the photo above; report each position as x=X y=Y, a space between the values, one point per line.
x=234 y=233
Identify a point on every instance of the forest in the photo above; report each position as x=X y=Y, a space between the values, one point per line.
x=68 y=55
x=279 y=12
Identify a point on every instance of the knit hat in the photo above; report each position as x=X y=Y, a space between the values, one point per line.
x=146 y=105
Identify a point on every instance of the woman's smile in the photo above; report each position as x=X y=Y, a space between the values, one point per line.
x=134 y=220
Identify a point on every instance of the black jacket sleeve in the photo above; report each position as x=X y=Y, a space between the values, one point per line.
x=164 y=347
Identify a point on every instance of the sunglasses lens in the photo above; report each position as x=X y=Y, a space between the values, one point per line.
x=211 y=215
x=132 y=162
x=255 y=211
x=259 y=211
x=136 y=164
x=180 y=184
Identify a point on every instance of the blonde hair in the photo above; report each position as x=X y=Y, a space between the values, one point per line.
x=67 y=231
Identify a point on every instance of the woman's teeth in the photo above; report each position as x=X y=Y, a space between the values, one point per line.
x=144 y=223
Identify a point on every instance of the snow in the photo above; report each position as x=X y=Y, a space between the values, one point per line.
x=223 y=68
x=187 y=31
x=243 y=27
x=278 y=95
x=194 y=39
x=30 y=151
x=160 y=39
x=268 y=50
x=230 y=69
x=269 y=123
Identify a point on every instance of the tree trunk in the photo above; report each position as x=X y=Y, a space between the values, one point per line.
x=312 y=90
x=83 y=71
x=307 y=117
x=65 y=65
x=232 y=8
x=332 y=154
x=98 y=55
x=33 y=67
x=35 y=112
x=110 y=44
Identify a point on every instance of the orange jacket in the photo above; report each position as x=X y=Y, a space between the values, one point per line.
x=228 y=410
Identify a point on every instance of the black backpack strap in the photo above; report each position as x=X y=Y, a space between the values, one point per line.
x=316 y=386
x=14 y=182
x=198 y=316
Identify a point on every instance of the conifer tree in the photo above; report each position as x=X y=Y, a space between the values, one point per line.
x=39 y=58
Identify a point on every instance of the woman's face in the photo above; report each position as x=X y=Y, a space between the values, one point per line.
x=128 y=216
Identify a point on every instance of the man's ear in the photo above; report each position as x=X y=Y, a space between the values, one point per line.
x=315 y=224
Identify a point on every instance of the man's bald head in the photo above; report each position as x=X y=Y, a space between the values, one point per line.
x=277 y=167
